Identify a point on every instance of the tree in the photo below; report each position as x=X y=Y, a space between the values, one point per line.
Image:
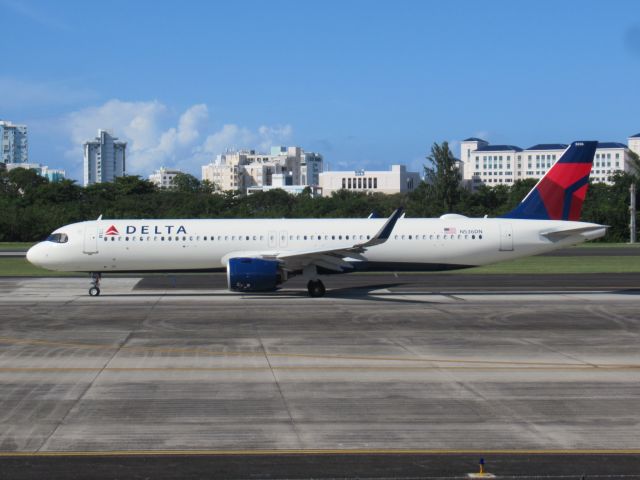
x=133 y=185
x=26 y=180
x=442 y=178
x=186 y=183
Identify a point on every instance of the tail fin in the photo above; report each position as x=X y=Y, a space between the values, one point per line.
x=560 y=193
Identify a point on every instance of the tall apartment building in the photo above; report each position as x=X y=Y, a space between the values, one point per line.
x=14 y=147
x=247 y=169
x=485 y=164
x=164 y=177
x=104 y=158
x=396 y=180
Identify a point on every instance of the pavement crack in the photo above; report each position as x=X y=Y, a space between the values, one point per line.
x=282 y=396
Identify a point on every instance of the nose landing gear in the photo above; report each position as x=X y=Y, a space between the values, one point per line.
x=94 y=290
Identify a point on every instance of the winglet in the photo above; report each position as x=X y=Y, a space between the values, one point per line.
x=385 y=232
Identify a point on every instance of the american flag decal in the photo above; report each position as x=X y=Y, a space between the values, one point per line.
x=450 y=230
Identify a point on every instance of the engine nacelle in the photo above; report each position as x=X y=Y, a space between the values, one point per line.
x=253 y=274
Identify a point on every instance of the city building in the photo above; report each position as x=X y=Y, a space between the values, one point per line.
x=283 y=182
x=164 y=177
x=491 y=165
x=310 y=168
x=396 y=180
x=14 y=147
x=634 y=143
x=247 y=169
x=104 y=158
x=53 y=174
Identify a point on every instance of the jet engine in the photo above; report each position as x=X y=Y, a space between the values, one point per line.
x=253 y=274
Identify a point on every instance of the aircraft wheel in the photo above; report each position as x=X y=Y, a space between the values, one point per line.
x=94 y=291
x=316 y=288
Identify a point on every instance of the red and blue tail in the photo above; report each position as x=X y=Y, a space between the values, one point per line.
x=560 y=193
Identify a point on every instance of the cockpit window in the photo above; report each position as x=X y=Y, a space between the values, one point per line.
x=58 y=238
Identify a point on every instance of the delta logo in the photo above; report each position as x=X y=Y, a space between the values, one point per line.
x=112 y=230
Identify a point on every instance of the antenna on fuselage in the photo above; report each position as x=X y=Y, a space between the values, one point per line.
x=99 y=218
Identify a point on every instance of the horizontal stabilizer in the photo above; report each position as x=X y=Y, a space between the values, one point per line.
x=555 y=235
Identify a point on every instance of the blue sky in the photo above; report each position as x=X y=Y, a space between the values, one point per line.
x=366 y=84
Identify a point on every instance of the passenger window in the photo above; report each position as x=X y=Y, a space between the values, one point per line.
x=480 y=237
x=261 y=237
x=410 y=237
x=113 y=239
x=126 y=239
x=339 y=237
x=396 y=237
x=168 y=239
x=162 y=239
x=473 y=237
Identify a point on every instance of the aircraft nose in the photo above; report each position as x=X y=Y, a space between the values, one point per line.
x=36 y=255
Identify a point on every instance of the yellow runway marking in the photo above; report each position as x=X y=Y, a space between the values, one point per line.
x=328 y=368
x=133 y=453
x=202 y=351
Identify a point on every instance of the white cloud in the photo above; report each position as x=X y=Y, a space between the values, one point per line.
x=152 y=141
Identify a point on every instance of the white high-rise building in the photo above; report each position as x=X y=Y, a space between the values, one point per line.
x=14 y=147
x=104 y=158
x=491 y=165
x=164 y=177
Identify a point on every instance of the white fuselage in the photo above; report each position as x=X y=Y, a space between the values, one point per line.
x=415 y=244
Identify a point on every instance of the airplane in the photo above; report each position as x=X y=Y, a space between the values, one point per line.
x=261 y=254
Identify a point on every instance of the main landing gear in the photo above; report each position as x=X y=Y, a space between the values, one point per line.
x=94 y=290
x=316 y=288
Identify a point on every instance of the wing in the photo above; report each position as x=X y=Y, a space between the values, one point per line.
x=329 y=258
x=334 y=258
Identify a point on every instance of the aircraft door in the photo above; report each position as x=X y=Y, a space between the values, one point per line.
x=273 y=239
x=90 y=244
x=283 y=239
x=506 y=237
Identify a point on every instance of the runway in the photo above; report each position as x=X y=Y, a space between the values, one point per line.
x=397 y=376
